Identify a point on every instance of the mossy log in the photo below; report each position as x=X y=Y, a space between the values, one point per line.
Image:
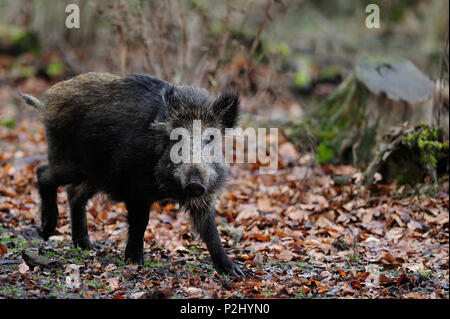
x=408 y=154
x=378 y=95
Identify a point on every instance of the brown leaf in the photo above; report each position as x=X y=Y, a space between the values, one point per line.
x=364 y=276
x=388 y=258
x=342 y=273
x=194 y=292
x=113 y=283
x=23 y=268
x=288 y=150
x=356 y=284
x=384 y=279
x=286 y=255
x=264 y=204
x=295 y=214
x=6 y=168
x=323 y=222
x=261 y=237
x=156 y=207
x=138 y=295
x=169 y=207
x=3 y=249
x=414 y=295
x=7 y=191
x=403 y=278
x=248 y=213
x=367 y=217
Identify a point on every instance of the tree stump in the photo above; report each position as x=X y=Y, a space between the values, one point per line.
x=382 y=92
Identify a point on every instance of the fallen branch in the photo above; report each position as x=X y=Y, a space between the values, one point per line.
x=33 y=260
x=26 y=160
x=11 y=261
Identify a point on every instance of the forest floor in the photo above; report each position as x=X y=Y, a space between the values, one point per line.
x=300 y=234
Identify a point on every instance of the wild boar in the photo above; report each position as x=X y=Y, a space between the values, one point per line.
x=111 y=134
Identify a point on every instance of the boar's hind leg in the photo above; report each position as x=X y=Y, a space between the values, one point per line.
x=138 y=213
x=78 y=196
x=49 y=207
x=205 y=224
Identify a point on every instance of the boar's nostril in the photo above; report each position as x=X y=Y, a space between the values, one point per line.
x=194 y=189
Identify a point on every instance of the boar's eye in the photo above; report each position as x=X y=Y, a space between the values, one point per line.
x=209 y=139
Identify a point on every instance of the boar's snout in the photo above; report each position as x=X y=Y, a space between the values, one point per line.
x=192 y=180
x=194 y=189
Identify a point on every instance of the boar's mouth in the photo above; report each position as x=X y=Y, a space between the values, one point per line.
x=198 y=204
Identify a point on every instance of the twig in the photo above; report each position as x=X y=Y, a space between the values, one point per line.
x=148 y=43
x=202 y=73
x=25 y=160
x=261 y=27
x=10 y=261
x=225 y=34
x=159 y=25
x=185 y=38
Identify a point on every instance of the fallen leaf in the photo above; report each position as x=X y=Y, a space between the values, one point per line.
x=138 y=295
x=388 y=258
x=286 y=255
x=3 y=249
x=384 y=279
x=356 y=284
x=403 y=278
x=194 y=291
x=248 y=213
x=23 y=268
x=110 y=267
x=113 y=283
x=264 y=204
x=342 y=273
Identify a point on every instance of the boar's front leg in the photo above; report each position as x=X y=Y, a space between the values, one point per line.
x=205 y=224
x=49 y=178
x=138 y=213
x=49 y=207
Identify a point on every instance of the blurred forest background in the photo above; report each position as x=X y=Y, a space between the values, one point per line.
x=355 y=106
x=286 y=57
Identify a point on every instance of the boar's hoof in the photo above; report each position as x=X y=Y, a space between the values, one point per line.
x=44 y=234
x=84 y=243
x=231 y=269
x=135 y=258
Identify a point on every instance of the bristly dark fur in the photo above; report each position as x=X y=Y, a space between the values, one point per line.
x=110 y=134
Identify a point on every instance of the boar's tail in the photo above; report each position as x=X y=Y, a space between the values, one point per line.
x=31 y=100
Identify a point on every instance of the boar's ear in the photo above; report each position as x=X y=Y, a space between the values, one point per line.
x=168 y=96
x=227 y=107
